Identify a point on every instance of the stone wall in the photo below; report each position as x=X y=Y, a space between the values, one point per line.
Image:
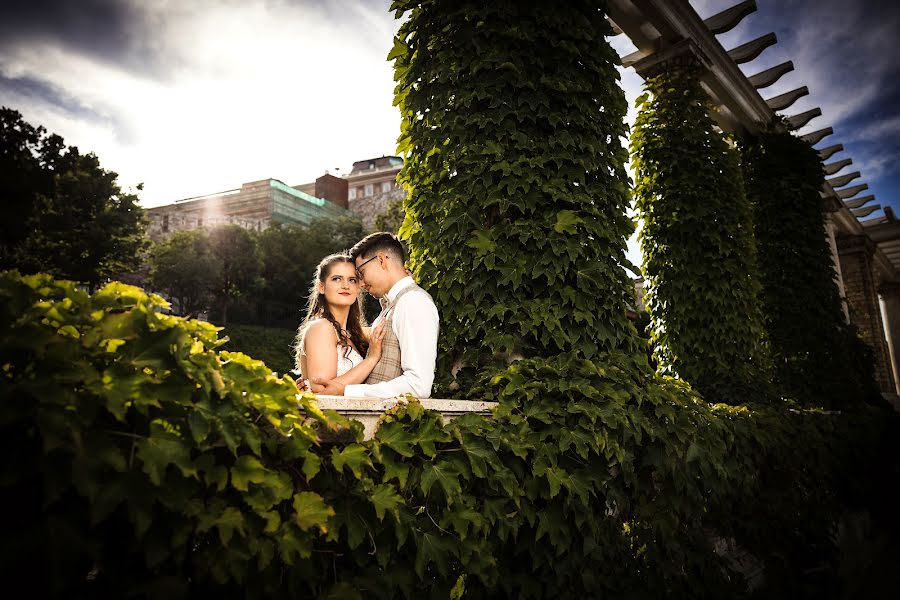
x=369 y=207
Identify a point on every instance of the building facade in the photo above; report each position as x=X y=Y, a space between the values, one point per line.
x=372 y=185
x=255 y=205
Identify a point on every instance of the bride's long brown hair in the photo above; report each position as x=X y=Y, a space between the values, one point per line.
x=317 y=308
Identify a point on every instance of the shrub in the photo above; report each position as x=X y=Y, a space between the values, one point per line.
x=143 y=461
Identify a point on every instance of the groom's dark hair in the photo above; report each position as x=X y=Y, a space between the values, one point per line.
x=378 y=241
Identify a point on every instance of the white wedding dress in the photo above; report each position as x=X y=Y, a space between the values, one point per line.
x=347 y=360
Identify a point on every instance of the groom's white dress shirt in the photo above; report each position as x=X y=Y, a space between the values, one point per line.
x=415 y=323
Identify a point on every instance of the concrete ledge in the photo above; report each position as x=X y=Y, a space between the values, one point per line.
x=369 y=410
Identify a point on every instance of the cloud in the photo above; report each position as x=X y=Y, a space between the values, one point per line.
x=195 y=97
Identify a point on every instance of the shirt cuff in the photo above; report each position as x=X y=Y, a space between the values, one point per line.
x=355 y=390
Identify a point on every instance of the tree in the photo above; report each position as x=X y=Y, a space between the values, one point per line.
x=289 y=255
x=184 y=267
x=235 y=251
x=25 y=177
x=69 y=216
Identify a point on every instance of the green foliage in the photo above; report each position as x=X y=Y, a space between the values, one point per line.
x=65 y=213
x=272 y=345
x=237 y=257
x=698 y=245
x=512 y=118
x=289 y=255
x=145 y=462
x=145 y=458
x=257 y=278
x=184 y=267
x=812 y=348
x=25 y=173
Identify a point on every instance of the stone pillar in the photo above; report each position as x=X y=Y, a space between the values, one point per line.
x=890 y=314
x=856 y=257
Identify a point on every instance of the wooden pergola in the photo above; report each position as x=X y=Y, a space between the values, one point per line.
x=866 y=252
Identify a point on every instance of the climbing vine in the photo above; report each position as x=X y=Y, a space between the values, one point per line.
x=512 y=118
x=146 y=462
x=813 y=349
x=697 y=241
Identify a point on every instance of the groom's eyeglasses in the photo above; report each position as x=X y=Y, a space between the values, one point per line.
x=359 y=272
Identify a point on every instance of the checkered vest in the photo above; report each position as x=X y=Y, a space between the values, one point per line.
x=388 y=366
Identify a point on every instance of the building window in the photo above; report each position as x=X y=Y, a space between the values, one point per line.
x=200 y=222
x=370 y=189
x=165 y=226
x=385 y=187
x=352 y=193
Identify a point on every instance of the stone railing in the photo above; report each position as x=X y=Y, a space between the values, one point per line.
x=369 y=410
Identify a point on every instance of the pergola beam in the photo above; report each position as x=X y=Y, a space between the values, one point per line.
x=799 y=120
x=782 y=101
x=865 y=212
x=843 y=180
x=764 y=79
x=832 y=168
x=747 y=52
x=816 y=136
x=729 y=18
x=826 y=153
x=856 y=203
x=852 y=191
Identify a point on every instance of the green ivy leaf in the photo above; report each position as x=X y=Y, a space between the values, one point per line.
x=566 y=222
x=432 y=548
x=354 y=456
x=311 y=465
x=246 y=470
x=385 y=498
x=157 y=454
x=482 y=241
x=443 y=473
x=311 y=511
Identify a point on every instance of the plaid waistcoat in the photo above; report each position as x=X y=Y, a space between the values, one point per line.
x=388 y=366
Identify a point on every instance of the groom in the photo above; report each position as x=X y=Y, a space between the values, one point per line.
x=409 y=349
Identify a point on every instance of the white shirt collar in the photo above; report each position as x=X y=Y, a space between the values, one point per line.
x=397 y=287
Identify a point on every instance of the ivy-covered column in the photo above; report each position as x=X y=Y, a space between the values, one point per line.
x=512 y=118
x=697 y=241
x=516 y=222
x=804 y=316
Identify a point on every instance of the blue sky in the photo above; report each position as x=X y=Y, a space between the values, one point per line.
x=846 y=53
x=199 y=96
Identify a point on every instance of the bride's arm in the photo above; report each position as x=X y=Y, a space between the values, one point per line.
x=319 y=345
x=360 y=372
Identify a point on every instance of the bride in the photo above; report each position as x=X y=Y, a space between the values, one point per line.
x=333 y=343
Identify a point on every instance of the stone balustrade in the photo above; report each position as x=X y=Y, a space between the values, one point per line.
x=368 y=411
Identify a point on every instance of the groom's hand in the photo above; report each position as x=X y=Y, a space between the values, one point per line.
x=330 y=389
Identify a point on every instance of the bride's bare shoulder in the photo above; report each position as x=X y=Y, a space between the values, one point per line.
x=319 y=328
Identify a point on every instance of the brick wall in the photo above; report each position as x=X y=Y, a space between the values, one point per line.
x=856 y=254
x=333 y=189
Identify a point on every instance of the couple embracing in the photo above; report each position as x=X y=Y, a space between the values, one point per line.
x=337 y=354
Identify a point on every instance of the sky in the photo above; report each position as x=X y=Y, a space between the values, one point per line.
x=192 y=97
